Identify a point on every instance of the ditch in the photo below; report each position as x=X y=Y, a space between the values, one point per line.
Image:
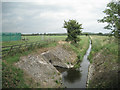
x=77 y=78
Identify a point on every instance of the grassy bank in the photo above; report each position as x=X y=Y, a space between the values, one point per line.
x=13 y=77
x=104 y=58
x=80 y=49
x=108 y=44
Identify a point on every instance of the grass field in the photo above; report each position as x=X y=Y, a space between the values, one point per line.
x=30 y=39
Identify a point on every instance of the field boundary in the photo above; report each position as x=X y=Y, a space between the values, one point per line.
x=10 y=50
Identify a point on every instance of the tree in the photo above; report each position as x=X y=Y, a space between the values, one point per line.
x=112 y=18
x=86 y=34
x=73 y=30
x=100 y=33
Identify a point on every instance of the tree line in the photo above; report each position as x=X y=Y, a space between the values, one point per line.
x=62 y=34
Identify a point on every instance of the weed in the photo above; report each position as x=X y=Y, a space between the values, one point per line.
x=52 y=77
x=12 y=77
x=57 y=81
x=54 y=73
x=102 y=43
x=68 y=63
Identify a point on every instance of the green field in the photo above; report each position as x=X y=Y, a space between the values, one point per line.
x=30 y=39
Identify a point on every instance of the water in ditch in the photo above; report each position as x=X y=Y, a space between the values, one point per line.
x=77 y=78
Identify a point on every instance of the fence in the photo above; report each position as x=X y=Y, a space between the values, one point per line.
x=11 y=50
x=11 y=36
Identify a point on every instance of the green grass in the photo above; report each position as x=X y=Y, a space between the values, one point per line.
x=57 y=81
x=33 y=39
x=109 y=45
x=11 y=73
x=80 y=49
x=12 y=76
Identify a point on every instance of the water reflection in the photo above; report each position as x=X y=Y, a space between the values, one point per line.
x=61 y=69
x=75 y=78
x=72 y=75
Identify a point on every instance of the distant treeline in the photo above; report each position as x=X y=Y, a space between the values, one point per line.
x=61 y=34
x=48 y=34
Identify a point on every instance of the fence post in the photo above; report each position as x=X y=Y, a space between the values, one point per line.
x=19 y=48
x=10 y=50
x=26 y=46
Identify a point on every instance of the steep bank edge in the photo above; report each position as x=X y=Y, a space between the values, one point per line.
x=36 y=61
x=102 y=72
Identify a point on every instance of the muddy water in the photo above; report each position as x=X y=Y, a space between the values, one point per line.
x=77 y=78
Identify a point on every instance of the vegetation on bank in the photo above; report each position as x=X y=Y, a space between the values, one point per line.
x=104 y=57
x=79 y=48
x=108 y=44
x=13 y=77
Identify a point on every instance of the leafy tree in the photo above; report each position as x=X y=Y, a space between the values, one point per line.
x=100 y=33
x=73 y=30
x=112 y=18
x=86 y=34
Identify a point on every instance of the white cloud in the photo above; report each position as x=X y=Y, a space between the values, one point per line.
x=42 y=14
x=19 y=18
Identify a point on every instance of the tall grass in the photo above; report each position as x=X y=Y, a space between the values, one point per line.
x=104 y=57
x=105 y=43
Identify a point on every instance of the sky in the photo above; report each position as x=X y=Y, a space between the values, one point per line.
x=47 y=16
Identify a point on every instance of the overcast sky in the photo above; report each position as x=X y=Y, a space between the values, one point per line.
x=47 y=16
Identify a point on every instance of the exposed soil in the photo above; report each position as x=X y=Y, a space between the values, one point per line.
x=39 y=66
x=62 y=42
x=103 y=72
